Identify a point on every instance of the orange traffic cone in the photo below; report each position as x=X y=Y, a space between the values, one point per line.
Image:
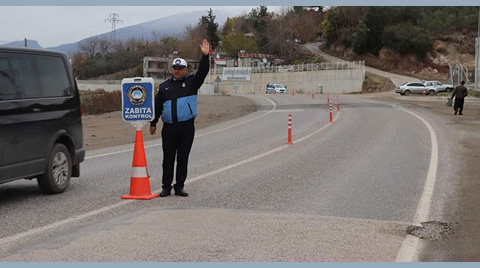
x=139 y=183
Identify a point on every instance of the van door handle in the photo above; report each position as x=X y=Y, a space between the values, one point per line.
x=37 y=109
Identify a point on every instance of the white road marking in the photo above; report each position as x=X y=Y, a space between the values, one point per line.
x=256 y=157
x=290 y=111
x=409 y=249
x=196 y=136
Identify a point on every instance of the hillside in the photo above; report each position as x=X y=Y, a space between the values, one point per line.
x=434 y=66
x=30 y=43
x=414 y=41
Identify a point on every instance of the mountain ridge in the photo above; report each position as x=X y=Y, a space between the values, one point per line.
x=173 y=25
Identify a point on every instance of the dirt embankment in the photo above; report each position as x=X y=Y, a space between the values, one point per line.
x=435 y=66
x=106 y=130
x=374 y=83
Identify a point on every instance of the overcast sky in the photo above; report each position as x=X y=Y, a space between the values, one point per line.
x=53 y=26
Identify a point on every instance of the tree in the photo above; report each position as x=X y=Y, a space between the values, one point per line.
x=79 y=61
x=211 y=27
x=259 y=19
x=298 y=9
x=104 y=46
x=193 y=38
x=88 y=47
x=308 y=26
x=406 y=38
x=283 y=32
x=234 y=42
x=376 y=19
x=360 y=40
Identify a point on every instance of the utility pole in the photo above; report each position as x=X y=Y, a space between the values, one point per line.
x=114 y=20
x=25 y=42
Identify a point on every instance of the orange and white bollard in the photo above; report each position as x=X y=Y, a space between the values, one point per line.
x=338 y=104
x=289 y=133
x=331 y=115
x=293 y=93
x=328 y=98
x=313 y=95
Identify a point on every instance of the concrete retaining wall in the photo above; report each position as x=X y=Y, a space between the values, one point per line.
x=318 y=81
x=334 y=81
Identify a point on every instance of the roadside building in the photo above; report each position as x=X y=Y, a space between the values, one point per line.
x=255 y=59
x=160 y=68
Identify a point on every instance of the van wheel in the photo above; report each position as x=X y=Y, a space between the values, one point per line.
x=59 y=171
x=431 y=92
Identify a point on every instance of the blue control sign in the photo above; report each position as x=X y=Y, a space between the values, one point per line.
x=138 y=99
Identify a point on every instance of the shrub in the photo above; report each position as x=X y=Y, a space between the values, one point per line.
x=346 y=41
x=360 y=40
x=99 y=101
x=474 y=93
x=405 y=39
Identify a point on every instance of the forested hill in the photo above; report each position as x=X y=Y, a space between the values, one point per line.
x=406 y=30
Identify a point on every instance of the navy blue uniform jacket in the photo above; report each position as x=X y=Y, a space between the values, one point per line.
x=176 y=100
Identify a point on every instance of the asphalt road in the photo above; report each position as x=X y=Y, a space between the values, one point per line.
x=344 y=191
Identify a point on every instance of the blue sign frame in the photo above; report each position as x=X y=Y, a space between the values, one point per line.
x=138 y=99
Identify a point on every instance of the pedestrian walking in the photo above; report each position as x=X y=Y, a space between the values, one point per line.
x=460 y=92
x=176 y=103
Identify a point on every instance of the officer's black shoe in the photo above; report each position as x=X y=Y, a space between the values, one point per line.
x=181 y=192
x=164 y=193
x=460 y=114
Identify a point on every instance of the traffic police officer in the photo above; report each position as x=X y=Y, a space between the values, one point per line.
x=176 y=103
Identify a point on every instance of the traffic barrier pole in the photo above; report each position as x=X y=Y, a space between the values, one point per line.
x=338 y=104
x=289 y=133
x=293 y=93
x=313 y=95
x=328 y=98
x=331 y=115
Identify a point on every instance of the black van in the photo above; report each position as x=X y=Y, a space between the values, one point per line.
x=40 y=118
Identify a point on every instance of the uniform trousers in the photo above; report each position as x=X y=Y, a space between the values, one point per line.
x=177 y=140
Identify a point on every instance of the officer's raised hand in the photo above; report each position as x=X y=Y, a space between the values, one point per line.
x=205 y=47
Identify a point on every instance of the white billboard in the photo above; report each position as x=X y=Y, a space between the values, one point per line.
x=237 y=74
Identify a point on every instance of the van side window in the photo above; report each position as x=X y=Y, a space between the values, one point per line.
x=7 y=87
x=25 y=75
x=37 y=76
x=53 y=77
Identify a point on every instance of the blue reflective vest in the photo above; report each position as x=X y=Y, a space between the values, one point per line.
x=176 y=100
